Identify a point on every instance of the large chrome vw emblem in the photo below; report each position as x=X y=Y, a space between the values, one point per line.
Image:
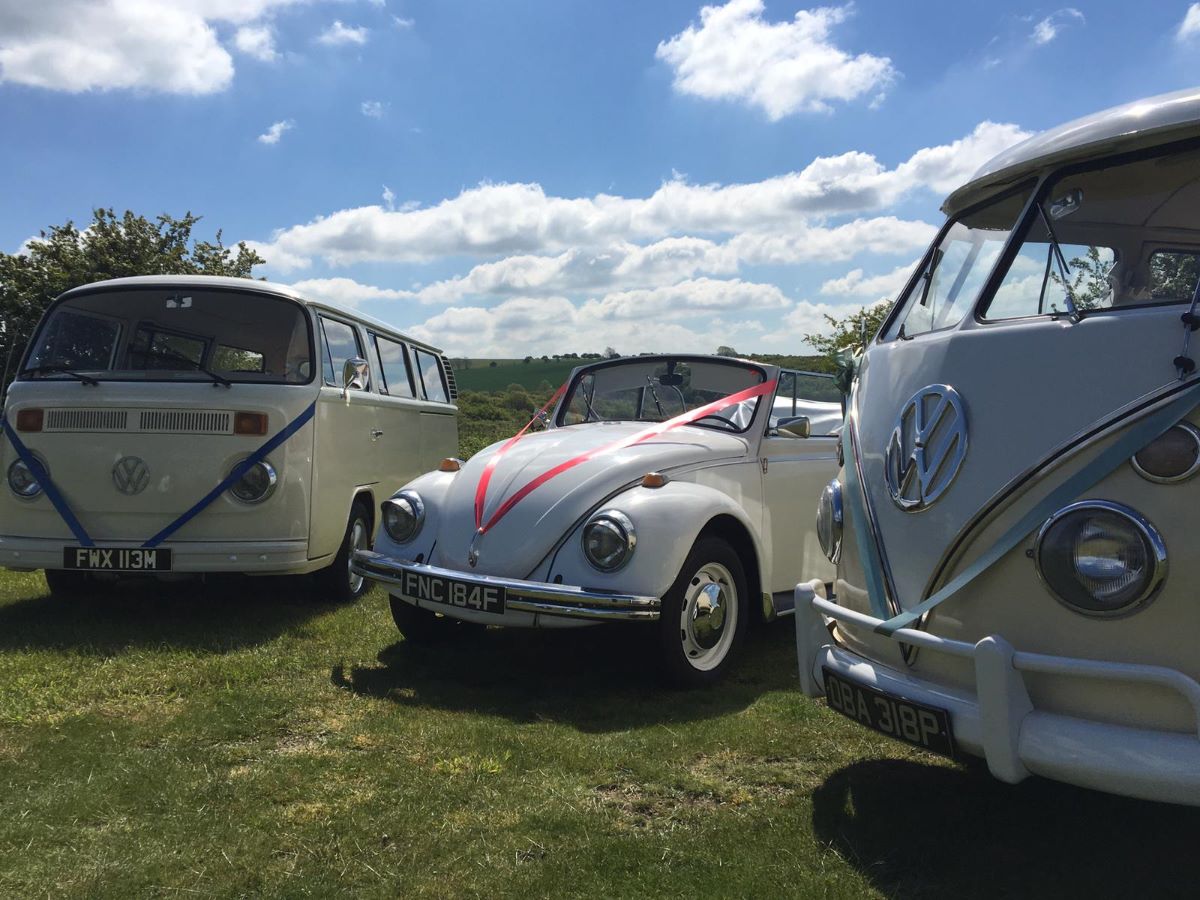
x=131 y=475
x=927 y=447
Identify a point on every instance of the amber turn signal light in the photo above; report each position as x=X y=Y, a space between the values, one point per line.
x=30 y=419
x=654 y=480
x=249 y=423
x=450 y=464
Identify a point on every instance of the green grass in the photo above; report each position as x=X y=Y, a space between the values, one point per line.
x=241 y=739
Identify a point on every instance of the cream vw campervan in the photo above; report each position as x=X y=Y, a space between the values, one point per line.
x=195 y=424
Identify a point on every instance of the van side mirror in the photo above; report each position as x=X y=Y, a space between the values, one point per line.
x=798 y=427
x=356 y=375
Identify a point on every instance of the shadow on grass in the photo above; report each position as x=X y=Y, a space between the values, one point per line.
x=929 y=831
x=596 y=679
x=217 y=614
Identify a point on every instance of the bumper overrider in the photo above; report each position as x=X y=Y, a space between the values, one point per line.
x=423 y=584
x=998 y=721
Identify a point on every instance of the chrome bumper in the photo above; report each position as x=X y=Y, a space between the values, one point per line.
x=998 y=720
x=534 y=597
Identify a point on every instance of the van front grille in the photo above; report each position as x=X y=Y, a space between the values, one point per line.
x=185 y=421
x=87 y=420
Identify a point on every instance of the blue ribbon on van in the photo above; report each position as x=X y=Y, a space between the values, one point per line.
x=64 y=510
x=1107 y=461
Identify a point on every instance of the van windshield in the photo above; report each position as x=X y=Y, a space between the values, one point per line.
x=169 y=334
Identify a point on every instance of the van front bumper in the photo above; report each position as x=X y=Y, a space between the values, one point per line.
x=187 y=557
x=998 y=722
x=526 y=601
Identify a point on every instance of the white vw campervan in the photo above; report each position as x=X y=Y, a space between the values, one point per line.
x=189 y=424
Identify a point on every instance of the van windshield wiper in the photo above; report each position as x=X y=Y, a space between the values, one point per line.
x=168 y=353
x=1063 y=269
x=60 y=370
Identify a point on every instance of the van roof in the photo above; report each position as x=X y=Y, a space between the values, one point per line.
x=249 y=284
x=1131 y=126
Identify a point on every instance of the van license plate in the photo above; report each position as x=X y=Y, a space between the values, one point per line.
x=117 y=559
x=451 y=592
x=914 y=723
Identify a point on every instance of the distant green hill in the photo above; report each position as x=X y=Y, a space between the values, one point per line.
x=482 y=375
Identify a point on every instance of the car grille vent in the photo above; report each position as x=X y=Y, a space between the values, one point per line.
x=185 y=421
x=450 y=382
x=87 y=420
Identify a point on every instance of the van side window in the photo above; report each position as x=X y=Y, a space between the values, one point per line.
x=430 y=369
x=341 y=344
x=392 y=364
x=1173 y=274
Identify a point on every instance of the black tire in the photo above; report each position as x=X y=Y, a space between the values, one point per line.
x=422 y=626
x=711 y=589
x=336 y=583
x=69 y=585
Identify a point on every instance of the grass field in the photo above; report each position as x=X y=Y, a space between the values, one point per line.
x=241 y=739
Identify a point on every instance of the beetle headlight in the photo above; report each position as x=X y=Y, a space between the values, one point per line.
x=403 y=516
x=257 y=484
x=1101 y=558
x=21 y=480
x=829 y=521
x=609 y=540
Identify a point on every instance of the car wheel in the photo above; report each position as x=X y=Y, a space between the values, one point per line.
x=336 y=582
x=67 y=584
x=421 y=626
x=704 y=616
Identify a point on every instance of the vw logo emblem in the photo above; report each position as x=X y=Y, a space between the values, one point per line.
x=927 y=447
x=131 y=475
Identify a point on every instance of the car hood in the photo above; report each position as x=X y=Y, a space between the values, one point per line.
x=517 y=542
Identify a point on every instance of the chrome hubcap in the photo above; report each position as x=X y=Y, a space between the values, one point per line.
x=358 y=541
x=708 y=620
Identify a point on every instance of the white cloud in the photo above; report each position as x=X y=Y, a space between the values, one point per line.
x=856 y=284
x=1190 y=26
x=373 y=109
x=347 y=291
x=86 y=45
x=770 y=216
x=257 y=41
x=1048 y=28
x=389 y=199
x=402 y=23
x=781 y=67
x=275 y=132
x=337 y=35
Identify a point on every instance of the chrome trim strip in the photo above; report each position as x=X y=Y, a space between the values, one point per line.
x=527 y=596
x=872 y=525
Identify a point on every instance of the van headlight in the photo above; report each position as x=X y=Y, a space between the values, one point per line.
x=609 y=540
x=1101 y=558
x=403 y=516
x=21 y=480
x=829 y=521
x=256 y=485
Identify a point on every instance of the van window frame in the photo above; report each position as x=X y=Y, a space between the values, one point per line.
x=374 y=337
x=326 y=355
x=306 y=312
x=420 y=375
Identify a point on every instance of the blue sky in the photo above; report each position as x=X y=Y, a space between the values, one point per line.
x=536 y=176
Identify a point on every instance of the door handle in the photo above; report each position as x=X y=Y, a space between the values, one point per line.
x=376 y=434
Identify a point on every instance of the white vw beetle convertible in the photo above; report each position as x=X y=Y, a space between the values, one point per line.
x=1017 y=578
x=671 y=490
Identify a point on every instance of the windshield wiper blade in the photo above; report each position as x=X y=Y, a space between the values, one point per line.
x=60 y=370
x=167 y=353
x=1063 y=268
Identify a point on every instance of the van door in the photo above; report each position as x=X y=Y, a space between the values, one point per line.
x=344 y=455
x=439 y=427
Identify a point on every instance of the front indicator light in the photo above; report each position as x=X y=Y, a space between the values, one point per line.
x=30 y=419
x=403 y=516
x=256 y=485
x=609 y=540
x=450 y=464
x=1171 y=457
x=249 y=423
x=1100 y=558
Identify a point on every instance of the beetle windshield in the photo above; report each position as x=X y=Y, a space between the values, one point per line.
x=166 y=334
x=654 y=389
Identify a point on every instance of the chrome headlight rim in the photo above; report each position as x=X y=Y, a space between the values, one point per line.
x=622 y=525
x=1191 y=431
x=830 y=521
x=37 y=487
x=272 y=483
x=1156 y=553
x=416 y=509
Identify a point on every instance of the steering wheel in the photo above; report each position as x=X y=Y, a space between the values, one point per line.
x=724 y=421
